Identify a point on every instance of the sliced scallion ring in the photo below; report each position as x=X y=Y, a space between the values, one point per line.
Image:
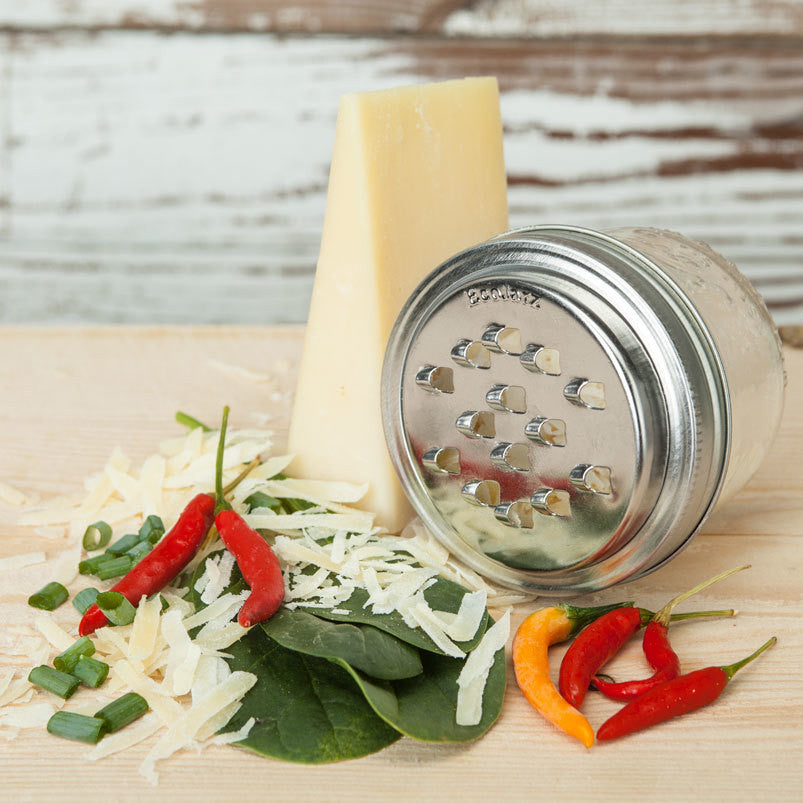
x=120 y=712
x=96 y=536
x=49 y=597
x=77 y=727
x=118 y=610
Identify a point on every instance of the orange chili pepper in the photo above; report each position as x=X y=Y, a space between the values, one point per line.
x=535 y=635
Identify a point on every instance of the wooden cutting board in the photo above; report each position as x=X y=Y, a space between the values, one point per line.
x=70 y=395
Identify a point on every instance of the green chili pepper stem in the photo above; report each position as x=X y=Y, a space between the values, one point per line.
x=187 y=420
x=580 y=617
x=221 y=503
x=732 y=669
x=663 y=616
x=227 y=489
x=648 y=616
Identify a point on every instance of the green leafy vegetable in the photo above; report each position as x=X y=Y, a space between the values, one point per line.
x=307 y=710
x=261 y=499
x=363 y=647
x=425 y=707
x=443 y=595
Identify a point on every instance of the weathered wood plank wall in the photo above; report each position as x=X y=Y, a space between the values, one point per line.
x=464 y=17
x=148 y=175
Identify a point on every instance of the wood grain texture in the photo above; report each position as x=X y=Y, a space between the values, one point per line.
x=182 y=178
x=514 y=18
x=749 y=742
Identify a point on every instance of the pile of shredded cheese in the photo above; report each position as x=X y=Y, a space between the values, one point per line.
x=327 y=551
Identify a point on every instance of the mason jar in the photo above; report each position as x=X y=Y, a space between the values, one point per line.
x=566 y=407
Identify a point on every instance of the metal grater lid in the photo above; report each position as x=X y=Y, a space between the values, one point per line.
x=556 y=410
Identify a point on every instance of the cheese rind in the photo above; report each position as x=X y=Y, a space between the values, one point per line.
x=417 y=175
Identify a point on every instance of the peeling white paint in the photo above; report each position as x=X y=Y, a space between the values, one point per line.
x=623 y=17
x=182 y=178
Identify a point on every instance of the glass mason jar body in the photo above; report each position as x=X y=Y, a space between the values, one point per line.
x=565 y=407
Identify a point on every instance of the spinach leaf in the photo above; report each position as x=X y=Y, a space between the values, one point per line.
x=425 y=707
x=367 y=649
x=443 y=595
x=307 y=709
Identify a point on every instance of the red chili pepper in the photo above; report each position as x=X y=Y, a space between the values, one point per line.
x=257 y=562
x=593 y=648
x=674 y=698
x=660 y=656
x=163 y=563
x=657 y=649
x=601 y=640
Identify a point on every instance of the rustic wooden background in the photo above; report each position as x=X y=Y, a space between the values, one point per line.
x=166 y=160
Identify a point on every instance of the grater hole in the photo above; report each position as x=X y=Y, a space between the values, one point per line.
x=442 y=460
x=515 y=514
x=472 y=354
x=435 y=379
x=595 y=479
x=511 y=456
x=511 y=398
x=482 y=492
x=586 y=393
x=504 y=339
x=547 y=431
x=552 y=502
x=476 y=424
x=541 y=360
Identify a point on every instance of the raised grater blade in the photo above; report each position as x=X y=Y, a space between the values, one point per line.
x=556 y=410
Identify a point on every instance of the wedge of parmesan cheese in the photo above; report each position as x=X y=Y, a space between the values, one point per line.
x=417 y=175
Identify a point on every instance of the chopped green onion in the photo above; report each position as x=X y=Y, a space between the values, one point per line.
x=152 y=528
x=122 y=545
x=261 y=499
x=77 y=727
x=59 y=683
x=49 y=598
x=120 y=712
x=188 y=421
x=114 y=568
x=118 y=610
x=84 y=599
x=91 y=565
x=97 y=535
x=138 y=551
x=66 y=661
x=91 y=672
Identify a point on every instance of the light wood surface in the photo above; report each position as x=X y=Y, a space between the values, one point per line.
x=70 y=395
x=153 y=178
